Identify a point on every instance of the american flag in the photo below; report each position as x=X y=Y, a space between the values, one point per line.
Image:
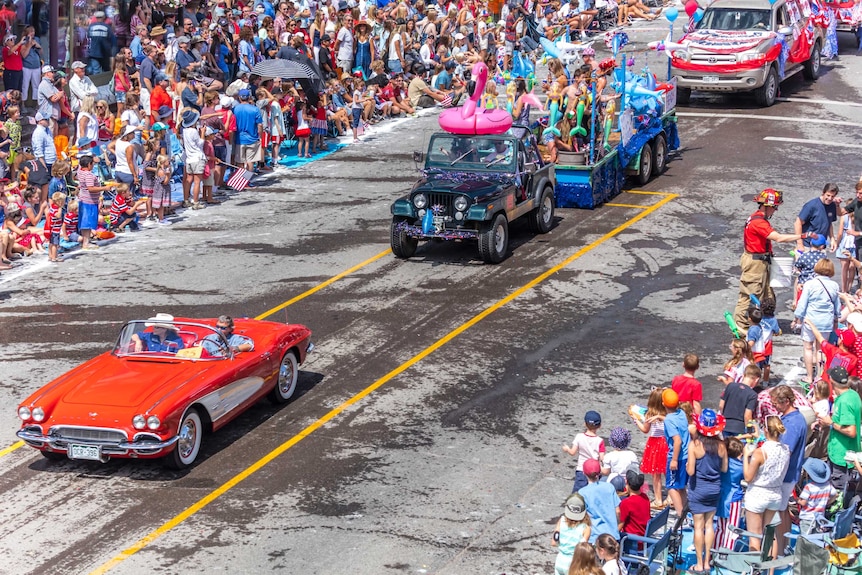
x=240 y=180
x=447 y=101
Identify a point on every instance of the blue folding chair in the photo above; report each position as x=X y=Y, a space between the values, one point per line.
x=652 y=559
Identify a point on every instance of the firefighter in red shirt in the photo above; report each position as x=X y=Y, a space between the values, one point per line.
x=758 y=237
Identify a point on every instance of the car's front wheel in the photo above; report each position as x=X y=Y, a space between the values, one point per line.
x=542 y=217
x=494 y=240
x=189 y=445
x=766 y=94
x=811 y=69
x=403 y=246
x=288 y=373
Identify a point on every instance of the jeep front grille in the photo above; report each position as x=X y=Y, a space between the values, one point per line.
x=445 y=201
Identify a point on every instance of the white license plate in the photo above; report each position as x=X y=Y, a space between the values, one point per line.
x=91 y=452
x=439 y=220
x=710 y=79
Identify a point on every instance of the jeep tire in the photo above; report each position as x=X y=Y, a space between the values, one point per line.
x=542 y=218
x=659 y=155
x=645 y=166
x=766 y=94
x=403 y=246
x=494 y=240
x=811 y=69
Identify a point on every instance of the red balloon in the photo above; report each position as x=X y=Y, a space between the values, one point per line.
x=690 y=8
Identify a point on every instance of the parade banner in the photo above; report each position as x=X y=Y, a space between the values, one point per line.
x=726 y=41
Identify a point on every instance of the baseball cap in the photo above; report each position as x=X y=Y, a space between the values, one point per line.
x=210 y=131
x=47 y=68
x=40 y=116
x=847 y=337
x=99 y=14
x=819 y=241
x=244 y=94
x=459 y=36
x=593 y=418
x=78 y=64
x=592 y=467
x=838 y=374
x=576 y=507
x=183 y=40
x=159 y=126
x=635 y=479
x=854 y=320
x=619 y=483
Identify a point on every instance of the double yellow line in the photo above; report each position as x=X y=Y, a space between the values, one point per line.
x=259 y=464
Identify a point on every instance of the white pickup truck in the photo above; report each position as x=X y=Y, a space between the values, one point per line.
x=748 y=45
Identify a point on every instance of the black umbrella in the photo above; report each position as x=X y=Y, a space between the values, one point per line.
x=284 y=69
x=379 y=80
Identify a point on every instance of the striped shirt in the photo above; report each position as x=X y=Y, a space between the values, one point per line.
x=54 y=221
x=817 y=497
x=70 y=220
x=86 y=180
x=118 y=207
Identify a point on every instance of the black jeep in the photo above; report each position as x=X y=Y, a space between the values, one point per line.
x=472 y=187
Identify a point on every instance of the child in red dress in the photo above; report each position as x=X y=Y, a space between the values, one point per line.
x=655 y=454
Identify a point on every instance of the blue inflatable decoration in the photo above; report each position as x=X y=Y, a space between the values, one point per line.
x=428 y=221
x=698 y=14
x=671 y=14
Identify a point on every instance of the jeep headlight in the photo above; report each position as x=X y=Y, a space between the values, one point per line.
x=461 y=203
x=38 y=414
x=420 y=201
x=24 y=413
x=153 y=422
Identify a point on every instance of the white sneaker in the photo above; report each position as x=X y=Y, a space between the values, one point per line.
x=165 y=222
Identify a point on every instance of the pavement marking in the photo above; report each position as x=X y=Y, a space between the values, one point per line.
x=627 y=206
x=11 y=448
x=320 y=286
x=260 y=463
x=824 y=102
x=646 y=193
x=772 y=118
x=814 y=142
x=270 y=312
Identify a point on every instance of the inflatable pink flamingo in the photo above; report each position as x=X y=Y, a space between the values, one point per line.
x=470 y=118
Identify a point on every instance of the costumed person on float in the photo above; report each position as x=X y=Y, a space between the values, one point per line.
x=757 y=257
x=554 y=100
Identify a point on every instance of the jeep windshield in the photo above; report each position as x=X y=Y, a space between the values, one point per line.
x=735 y=19
x=474 y=153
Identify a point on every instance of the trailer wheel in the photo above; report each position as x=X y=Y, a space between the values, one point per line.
x=659 y=155
x=645 y=168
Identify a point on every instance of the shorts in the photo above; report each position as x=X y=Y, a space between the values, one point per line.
x=759 y=500
x=121 y=97
x=210 y=180
x=124 y=178
x=425 y=101
x=840 y=476
x=73 y=237
x=357 y=117
x=220 y=152
x=808 y=335
x=395 y=67
x=195 y=168
x=88 y=216
x=249 y=153
x=55 y=239
x=765 y=362
x=510 y=48
x=786 y=492
x=676 y=479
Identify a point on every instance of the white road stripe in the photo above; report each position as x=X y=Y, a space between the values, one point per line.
x=771 y=118
x=824 y=102
x=814 y=142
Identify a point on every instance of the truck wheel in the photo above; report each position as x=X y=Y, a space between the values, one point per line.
x=403 y=246
x=659 y=155
x=766 y=94
x=811 y=69
x=683 y=96
x=494 y=240
x=542 y=217
x=645 y=168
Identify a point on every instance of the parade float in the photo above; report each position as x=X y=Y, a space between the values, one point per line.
x=631 y=136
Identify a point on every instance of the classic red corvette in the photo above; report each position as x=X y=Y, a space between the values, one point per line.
x=165 y=383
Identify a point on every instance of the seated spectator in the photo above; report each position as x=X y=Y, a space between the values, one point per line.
x=163 y=337
x=124 y=210
x=635 y=508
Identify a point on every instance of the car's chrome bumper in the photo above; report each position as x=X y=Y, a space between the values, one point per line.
x=141 y=446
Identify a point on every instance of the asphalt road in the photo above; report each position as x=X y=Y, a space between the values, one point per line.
x=471 y=376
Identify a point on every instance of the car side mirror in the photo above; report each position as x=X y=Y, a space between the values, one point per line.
x=531 y=167
x=785 y=30
x=419 y=158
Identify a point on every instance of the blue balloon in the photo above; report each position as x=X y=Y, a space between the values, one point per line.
x=428 y=222
x=772 y=1
x=698 y=15
x=671 y=14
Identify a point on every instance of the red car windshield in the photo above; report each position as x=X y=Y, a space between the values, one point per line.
x=174 y=339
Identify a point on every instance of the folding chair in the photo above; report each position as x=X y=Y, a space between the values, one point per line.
x=653 y=559
x=654 y=528
x=729 y=562
x=839 y=528
x=845 y=555
x=808 y=559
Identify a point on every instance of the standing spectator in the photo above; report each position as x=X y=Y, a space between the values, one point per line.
x=137 y=45
x=817 y=216
x=764 y=469
x=634 y=509
x=185 y=58
x=247 y=53
x=80 y=85
x=103 y=44
x=819 y=304
x=344 y=46
x=324 y=57
x=88 y=125
x=249 y=127
x=853 y=207
x=88 y=198
x=31 y=54
x=49 y=96
x=677 y=436
x=729 y=510
x=573 y=527
x=8 y=18
x=148 y=71
x=687 y=386
x=794 y=437
x=587 y=445
x=707 y=460
x=603 y=503
x=755 y=261
x=843 y=426
x=160 y=99
x=44 y=152
x=13 y=63
x=739 y=400
x=125 y=169
x=195 y=159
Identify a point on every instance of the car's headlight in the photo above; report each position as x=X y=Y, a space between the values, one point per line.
x=461 y=203
x=748 y=56
x=139 y=422
x=24 y=413
x=683 y=55
x=153 y=422
x=38 y=414
x=420 y=201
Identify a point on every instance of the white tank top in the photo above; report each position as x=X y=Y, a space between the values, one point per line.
x=122 y=163
x=393 y=51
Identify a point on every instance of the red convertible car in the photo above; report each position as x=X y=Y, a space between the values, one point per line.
x=166 y=383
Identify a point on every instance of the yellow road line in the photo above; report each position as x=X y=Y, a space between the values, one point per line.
x=627 y=206
x=11 y=448
x=647 y=193
x=260 y=463
x=268 y=313
x=320 y=286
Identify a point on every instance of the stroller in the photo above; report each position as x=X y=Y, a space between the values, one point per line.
x=606 y=19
